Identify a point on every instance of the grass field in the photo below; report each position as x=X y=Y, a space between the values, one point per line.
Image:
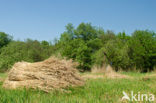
x=102 y=90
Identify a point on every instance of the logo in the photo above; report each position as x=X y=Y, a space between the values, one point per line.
x=138 y=97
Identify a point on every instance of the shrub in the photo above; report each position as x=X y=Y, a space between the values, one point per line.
x=30 y=51
x=4 y=39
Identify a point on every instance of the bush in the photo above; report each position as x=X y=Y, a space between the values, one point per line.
x=4 y=39
x=114 y=55
x=142 y=50
x=90 y=46
x=30 y=51
x=80 y=43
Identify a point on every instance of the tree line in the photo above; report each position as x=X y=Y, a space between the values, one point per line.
x=89 y=46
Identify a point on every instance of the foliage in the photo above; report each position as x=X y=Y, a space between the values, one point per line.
x=80 y=43
x=142 y=49
x=89 y=46
x=30 y=50
x=4 y=39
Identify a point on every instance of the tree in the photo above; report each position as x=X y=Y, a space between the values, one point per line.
x=142 y=49
x=80 y=43
x=86 y=32
x=107 y=36
x=114 y=52
x=29 y=50
x=68 y=34
x=4 y=39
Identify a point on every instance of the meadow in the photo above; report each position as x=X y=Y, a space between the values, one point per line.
x=99 y=90
x=90 y=47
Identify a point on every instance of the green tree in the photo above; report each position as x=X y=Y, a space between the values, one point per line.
x=86 y=32
x=80 y=43
x=29 y=50
x=114 y=53
x=142 y=49
x=4 y=39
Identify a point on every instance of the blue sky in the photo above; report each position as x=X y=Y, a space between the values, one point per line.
x=46 y=19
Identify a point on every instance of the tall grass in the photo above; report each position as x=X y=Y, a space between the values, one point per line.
x=94 y=91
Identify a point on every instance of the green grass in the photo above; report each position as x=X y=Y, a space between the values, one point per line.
x=136 y=74
x=3 y=75
x=94 y=91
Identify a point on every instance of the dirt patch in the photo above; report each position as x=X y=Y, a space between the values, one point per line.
x=50 y=74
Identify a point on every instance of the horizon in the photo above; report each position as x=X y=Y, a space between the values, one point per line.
x=46 y=20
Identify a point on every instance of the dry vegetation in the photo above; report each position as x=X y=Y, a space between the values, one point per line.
x=95 y=90
x=104 y=72
x=50 y=74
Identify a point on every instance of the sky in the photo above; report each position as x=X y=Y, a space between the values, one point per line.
x=46 y=19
